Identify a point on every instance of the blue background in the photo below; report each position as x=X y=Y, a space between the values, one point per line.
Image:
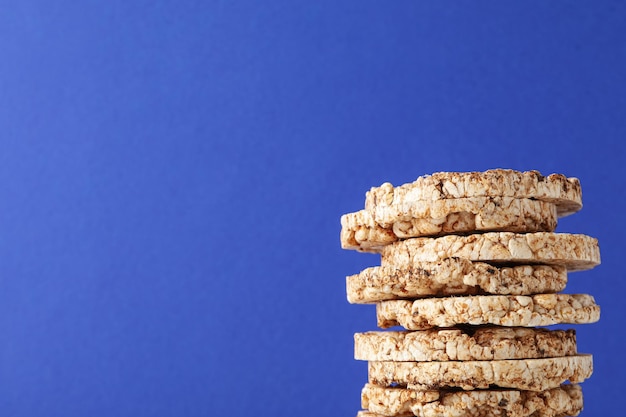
x=172 y=175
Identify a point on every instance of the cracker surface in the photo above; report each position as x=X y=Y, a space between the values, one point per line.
x=483 y=343
x=523 y=374
x=564 y=192
x=574 y=251
x=500 y=310
x=566 y=400
x=452 y=276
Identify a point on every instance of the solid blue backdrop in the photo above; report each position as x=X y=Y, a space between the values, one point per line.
x=172 y=175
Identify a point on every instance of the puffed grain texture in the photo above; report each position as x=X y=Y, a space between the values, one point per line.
x=473 y=213
x=523 y=374
x=574 y=251
x=392 y=401
x=501 y=310
x=362 y=231
x=566 y=400
x=367 y=413
x=564 y=192
x=452 y=276
x=483 y=343
x=359 y=231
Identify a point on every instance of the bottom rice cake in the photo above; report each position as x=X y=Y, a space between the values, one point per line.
x=566 y=400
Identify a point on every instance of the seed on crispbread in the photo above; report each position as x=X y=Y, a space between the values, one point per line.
x=452 y=276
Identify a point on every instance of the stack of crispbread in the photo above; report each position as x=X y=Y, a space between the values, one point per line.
x=471 y=268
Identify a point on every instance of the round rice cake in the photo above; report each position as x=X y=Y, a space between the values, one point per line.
x=501 y=310
x=394 y=401
x=564 y=192
x=452 y=276
x=362 y=231
x=574 y=251
x=523 y=374
x=566 y=400
x=464 y=344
